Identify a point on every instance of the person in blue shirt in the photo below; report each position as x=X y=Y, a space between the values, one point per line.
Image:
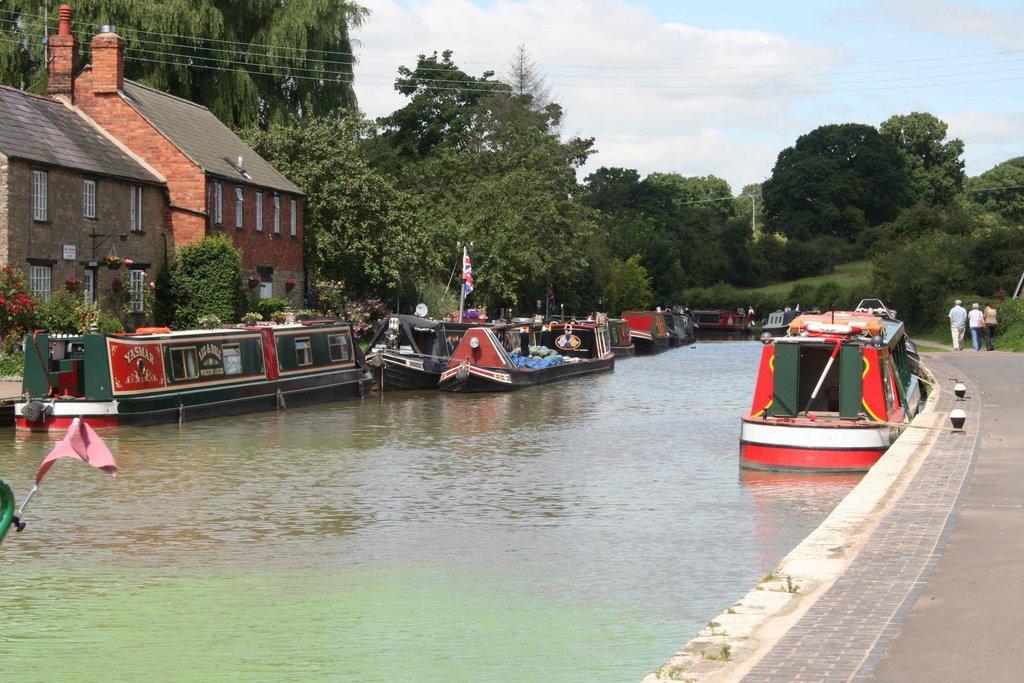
x=957 y=324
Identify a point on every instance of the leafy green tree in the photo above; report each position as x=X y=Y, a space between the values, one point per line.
x=250 y=62
x=936 y=164
x=204 y=279
x=1000 y=190
x=708 y=191
x=836 y=180
x=360 y=227
x=627 y=285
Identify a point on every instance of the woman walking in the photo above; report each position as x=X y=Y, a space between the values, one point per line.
x=991 y=322
x=976 y=321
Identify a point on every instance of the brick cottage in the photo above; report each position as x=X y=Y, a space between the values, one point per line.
x=216 y=183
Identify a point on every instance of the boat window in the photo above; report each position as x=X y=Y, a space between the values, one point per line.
x=184 y=364
x=303 y=353
x=339 y=346
x=232 y=359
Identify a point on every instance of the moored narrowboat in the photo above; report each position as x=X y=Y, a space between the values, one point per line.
x=647 y=330
x=722 y=322
x=410 y=352
x=483 y=361
x=830 y=396
x=622 y=343
x=680 y=327
x=156 y=375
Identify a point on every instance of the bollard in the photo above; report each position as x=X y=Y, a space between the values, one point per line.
x=958 y=417
x=960 y=389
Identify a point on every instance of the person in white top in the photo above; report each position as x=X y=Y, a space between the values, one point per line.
x=957 y=322
x=976 y=320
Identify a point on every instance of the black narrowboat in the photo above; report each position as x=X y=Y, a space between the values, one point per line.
x=410 y=352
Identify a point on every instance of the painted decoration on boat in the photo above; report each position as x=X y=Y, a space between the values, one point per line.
x=135 y=366
x=211 y=360
x=568 y=342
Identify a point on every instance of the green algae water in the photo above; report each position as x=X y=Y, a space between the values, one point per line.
x=572 y=532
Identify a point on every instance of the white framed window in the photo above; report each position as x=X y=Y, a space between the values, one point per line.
x=232 y=359
x=303 y=352
x=339 y=346
x=89 y=198
x=39 y=205
x=259 y=211
x=277 y=214
x=183 y=363
x=136 y=217
x=39 y=282
x=218 y=203
x=89 y=285
x=137 y=290
x=239 y=205
x=293 y=219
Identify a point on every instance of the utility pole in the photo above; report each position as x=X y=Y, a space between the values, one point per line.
x=753 y=212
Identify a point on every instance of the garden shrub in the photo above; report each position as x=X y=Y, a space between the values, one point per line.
x=203 y=280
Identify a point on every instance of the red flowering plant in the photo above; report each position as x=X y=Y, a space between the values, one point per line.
x=332 y=298
x=17 y=308
x=254 y=281
x=72 y=284
x=290 y=283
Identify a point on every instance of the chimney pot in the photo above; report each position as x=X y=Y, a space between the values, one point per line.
x=107 y=28
x=240 y=161
x=62 y=62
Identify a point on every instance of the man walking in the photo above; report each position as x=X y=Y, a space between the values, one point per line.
x=991 y=322
x=957 y=323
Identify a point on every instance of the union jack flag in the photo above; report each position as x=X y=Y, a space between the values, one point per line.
x=467 y=272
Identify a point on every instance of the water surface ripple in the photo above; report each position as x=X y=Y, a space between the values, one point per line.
x=573 y=532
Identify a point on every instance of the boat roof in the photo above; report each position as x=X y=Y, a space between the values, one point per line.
x=307 y=325
x=849 y=324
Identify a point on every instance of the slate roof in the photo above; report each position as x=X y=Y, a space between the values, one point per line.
x=39 y=129
x=203 y=138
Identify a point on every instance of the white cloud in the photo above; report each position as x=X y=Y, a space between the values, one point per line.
x=961 y=19
x=993 y=137
x=698 y=113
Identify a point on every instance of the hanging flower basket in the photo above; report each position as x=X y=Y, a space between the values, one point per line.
x=254 y=281
x=73 y=284
x=113 y=262
x=289 y=284
x=128 y=263
x=117 y=284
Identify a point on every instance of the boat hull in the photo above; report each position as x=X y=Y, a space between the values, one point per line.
x=624 y=351
x=407 y=372
x=473 y=379
x=812 y=446
x=204 y=403
x=649 y=347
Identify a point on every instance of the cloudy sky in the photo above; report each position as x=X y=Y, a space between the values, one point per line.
x=721 y=87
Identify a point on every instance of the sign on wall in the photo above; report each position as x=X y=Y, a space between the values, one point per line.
x=70 y=252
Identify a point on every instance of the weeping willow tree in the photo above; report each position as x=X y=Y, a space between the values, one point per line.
x=252 y=62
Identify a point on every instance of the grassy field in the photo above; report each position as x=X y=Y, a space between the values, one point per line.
x=845 y=275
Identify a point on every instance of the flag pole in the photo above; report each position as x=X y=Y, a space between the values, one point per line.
x=24 y=503
x=462 y=300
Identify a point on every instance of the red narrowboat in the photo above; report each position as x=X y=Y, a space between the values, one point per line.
x=165 y=376
x=831 y=396
x=647 y=330
x=483 y=362
x=722 y=322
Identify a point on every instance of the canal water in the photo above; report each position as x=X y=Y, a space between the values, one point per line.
x=573 y=532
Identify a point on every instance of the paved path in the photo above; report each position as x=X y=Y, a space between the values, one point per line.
x=968 y=622
x=844 y=634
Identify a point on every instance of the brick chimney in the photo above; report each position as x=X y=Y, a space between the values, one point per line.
x=62 y=66
x=107 y=61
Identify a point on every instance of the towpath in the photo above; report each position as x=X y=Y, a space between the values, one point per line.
x=937 y=592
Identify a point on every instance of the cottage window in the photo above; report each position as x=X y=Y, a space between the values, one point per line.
x=39 y=195
x=239 y=205
x=277 y=214
x=137 y=290
x=232 y=359
x=89 y=285
x=184 y=364
x=136 y=208
x=259 y=211
x=339 y=346
x=303 y=353
x=39 y=282
x=218 y=203
x=89 y=198
x=293 y=220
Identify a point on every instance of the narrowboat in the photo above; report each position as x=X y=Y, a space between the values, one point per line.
x=777 y=322
x=156 y=375
x=622 y=344
x=680 y=327
x=722 y=322
x=647 y=330
x=832 y=395
x=483 y=362
x=410 y=352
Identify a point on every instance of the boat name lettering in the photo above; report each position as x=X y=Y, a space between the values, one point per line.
x=138 y=352
x=211 y=360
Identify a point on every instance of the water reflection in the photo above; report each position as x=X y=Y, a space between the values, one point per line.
x=587 y=528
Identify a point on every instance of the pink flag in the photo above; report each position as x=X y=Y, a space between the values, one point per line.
x=81 y=443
